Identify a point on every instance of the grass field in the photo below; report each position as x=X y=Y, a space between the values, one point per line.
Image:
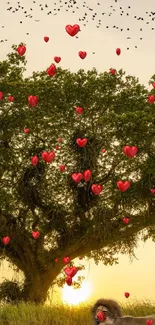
x=26 y=314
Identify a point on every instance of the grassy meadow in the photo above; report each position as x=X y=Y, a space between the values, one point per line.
x=28 y=314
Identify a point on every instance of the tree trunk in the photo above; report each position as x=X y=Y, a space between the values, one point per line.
x=36 y=287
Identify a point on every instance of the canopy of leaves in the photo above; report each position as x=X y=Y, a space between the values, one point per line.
x=71 y=219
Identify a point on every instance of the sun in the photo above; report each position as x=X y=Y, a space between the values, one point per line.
x=75 y=296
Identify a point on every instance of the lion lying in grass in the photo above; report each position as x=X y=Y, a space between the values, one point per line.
x=108 y=312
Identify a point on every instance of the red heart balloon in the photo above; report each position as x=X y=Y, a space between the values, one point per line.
x=66 y=260
x=151 y=99
x=81 y=142
x=152 y=191
x=1 y=95
x=79 y=110
x=101 y=316
x=62 y=168
x=69 y=280
x=87 y=175
x=96 y=189
x=103 y=150
x=35 y=234
x=82 y=54
x=26 y=130
x=46 y=39
x=33 y=100
x=6 y=240
x=126 y=294
x=57 y=59
x=149 y=321
x=153 y=84
x=21 y=50
x=130 y=151
x=77 y=177
x=34 y=160
x=51 y=71
x=126 y=221
x=71 y=271
x=48 y=156
x=56 y=260
x=118 y=51
x=72 y=30
x=11 y=99
x=112 y=71
x=59 y=139
x=123 y=186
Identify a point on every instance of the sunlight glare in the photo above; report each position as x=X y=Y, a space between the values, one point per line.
x=75 y=296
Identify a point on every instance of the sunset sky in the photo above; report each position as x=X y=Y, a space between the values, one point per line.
x=108 y=281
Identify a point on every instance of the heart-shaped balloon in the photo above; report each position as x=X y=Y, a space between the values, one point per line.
x=69 y=280
x=82 y=54
x=79 y=110
x=130 y=151
x=46 y=39
x=71 y=271
x=112 y=71
x=57 y=59
x=33 y=100
x=21 y=50
x=59 y=139
x=153 y=84
x=48 y=156
x=126 y=221
x=62 y=168
x=66 y=260
x=127 y=294
x=26 y=130
x=101 y=316
x=103 y=150
x=6 y=240
x=11 y=99
x=151 y=99
x=96 y=189
x=1 y=95
x=81 y=142
x=118 y=51
x=152 y=190
x=34 y=160
x=77 y=177
x=35 y=234
x=123 y=186
x=87 y=175
x=72 y=30
x=56 y=260
x=149 y=321
x=51 y=71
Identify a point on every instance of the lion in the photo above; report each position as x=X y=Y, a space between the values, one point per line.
x=112 y=315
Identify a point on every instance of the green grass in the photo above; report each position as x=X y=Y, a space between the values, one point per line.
x=28 y=314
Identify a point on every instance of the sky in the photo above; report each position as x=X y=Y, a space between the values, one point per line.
x=106 y=281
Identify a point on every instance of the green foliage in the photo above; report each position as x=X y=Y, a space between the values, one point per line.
x=71 y=219
x=10 y=292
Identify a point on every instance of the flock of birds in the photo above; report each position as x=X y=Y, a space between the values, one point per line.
x=89 y=13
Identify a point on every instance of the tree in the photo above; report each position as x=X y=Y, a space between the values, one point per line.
x=72 y=220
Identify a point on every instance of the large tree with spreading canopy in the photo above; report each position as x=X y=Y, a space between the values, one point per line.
x=71 y=219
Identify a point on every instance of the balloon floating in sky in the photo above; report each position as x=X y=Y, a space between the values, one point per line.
x=71 y=271
x=57 y=59
x=127 y=294
x=21 y=50
x=118 y=51
x=46 y=39
x=72 y=30
x=82 y=54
